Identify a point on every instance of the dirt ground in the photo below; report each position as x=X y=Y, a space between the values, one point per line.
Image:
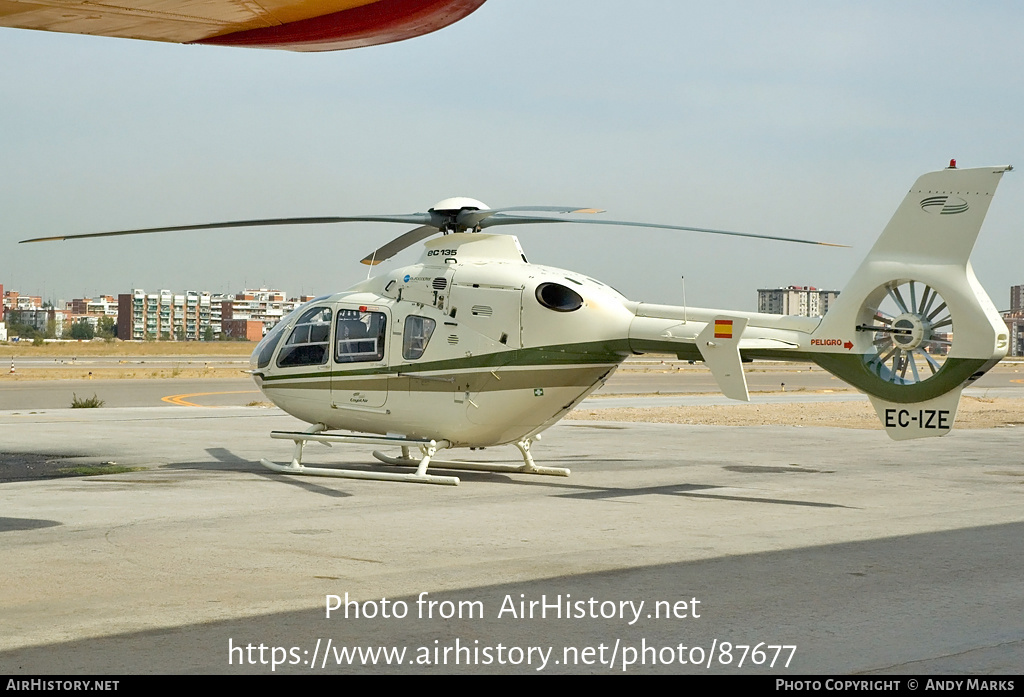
x=973 y=413
x=128 y=349
x=133 y=355
x=186 y=371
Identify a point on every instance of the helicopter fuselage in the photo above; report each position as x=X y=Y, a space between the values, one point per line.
x=472 y=345
x=475 y=346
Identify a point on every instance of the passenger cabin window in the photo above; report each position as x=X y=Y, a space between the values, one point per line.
x=308 y=342
x=360 y=336
x=417 y=334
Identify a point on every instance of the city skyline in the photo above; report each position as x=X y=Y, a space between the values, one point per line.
x=186 y=315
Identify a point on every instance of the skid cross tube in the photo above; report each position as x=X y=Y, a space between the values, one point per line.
x=427 y=447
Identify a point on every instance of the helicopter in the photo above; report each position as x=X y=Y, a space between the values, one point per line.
x=473 y=346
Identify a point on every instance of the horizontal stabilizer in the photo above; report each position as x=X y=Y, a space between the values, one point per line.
x=719 y=345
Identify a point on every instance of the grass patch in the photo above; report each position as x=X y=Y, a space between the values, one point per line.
x=94 y=470
x=93 y=402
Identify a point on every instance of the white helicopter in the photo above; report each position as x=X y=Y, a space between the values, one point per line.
x=473 y=346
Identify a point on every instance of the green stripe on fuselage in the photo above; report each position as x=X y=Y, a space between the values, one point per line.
x=564 y=354
x=477 y=381
x=581 y=362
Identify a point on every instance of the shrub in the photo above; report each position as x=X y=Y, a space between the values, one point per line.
x=93 y=402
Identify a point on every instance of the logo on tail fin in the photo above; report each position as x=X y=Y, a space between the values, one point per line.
x=944 y=205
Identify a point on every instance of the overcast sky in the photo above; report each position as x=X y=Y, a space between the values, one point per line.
x=802 y=119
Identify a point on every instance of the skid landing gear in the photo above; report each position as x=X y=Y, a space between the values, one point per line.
x=528 y=466
x=427 y=449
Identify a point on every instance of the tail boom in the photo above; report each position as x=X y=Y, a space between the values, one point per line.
x=915 y=299
x=890 y=333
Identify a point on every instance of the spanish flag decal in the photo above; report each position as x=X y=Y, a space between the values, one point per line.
x=723 y=328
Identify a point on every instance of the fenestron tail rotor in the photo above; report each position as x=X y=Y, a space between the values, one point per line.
x=449 y=215
x=913 y=330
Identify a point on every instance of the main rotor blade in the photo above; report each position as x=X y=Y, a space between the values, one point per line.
x=412 y=219
x=398 y=244
x=500 y=219
x=471 y=219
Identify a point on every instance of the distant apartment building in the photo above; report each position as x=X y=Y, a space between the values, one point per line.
x=199 y=315
x=13 y=300
x=164 y=315
x=243 y=329
x=91 y=310
x=256 y=310
x=41 y=319
x=1015 y=327
x=1017 y=299
x=28 y=310
x=806 y=301
x=1014 y=319
x=100 y=306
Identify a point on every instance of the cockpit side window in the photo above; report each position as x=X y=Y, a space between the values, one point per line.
x=265 y=349
x=417 y=334
x=308 y=342
x=360 y=336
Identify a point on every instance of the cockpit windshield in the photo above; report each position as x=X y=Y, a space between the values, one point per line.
x=307 y=344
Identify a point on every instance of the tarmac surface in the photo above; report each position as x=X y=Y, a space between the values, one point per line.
x=866 y=555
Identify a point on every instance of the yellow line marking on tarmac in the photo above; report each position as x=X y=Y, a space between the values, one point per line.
x=179 y=399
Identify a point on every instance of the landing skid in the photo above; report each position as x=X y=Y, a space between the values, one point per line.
x=427 y=449
x=528 y=466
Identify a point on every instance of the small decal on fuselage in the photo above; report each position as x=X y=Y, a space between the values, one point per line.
x=832 y=342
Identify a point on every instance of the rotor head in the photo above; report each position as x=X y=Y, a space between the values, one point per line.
x=450 y=214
